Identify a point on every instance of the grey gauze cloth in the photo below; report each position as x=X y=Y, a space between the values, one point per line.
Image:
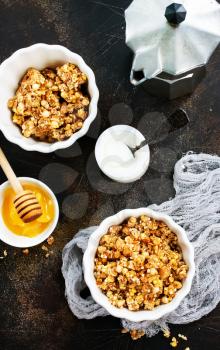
x=196 y=207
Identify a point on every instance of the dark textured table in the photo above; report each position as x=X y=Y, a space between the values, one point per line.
x=34 y=314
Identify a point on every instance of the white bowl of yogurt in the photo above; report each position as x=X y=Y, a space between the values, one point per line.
x=114 y=157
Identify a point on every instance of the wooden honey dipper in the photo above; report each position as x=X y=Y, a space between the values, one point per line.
x=25 y=202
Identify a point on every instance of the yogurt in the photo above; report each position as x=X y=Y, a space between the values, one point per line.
x=114 y=157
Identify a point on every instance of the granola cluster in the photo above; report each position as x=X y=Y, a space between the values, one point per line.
x=52 y=104
x=139 y=264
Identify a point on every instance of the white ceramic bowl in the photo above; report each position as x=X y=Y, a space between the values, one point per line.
x=14 y=240
x=126 y=172
x=100 y=298
x=12 y=70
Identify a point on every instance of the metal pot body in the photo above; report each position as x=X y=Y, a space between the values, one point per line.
x=174 y=86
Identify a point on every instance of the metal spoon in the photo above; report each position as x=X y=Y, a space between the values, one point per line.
x=176 y=121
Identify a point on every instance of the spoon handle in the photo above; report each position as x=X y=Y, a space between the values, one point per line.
x=141 y=145
x=175 y=121
x=178 y=120
x=15 y=183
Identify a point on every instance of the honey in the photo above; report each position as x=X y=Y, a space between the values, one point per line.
x=13 y=221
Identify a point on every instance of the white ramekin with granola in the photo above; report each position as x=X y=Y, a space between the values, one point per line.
x=139 y=265
x=48 y=98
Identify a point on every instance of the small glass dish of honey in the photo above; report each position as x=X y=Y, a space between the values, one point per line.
x=13 y=230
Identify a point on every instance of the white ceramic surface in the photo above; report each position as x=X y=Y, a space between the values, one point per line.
x=25 y=242
x=161 y=47
x=12 y=70
x=100 y=298
x=131 y=170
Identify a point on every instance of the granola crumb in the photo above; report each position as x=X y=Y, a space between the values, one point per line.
x=47 y=255
x=25 y=251
x=137 y=334
x=52 y=104
x=124 y=330
x=166 y=333
x=174 y=342
x=5 y=254
x=182 y=336
x=50 y=240
x=139 y=264
x=44 y=248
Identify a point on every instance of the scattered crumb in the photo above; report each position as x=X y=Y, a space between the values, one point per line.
x=166 y=333
x=25 y=251
x=174 y=342
x=124 y=330
x=50 y=240
x=44 y=248
x=182 y=336
x=137 y=334
x=5 y=253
